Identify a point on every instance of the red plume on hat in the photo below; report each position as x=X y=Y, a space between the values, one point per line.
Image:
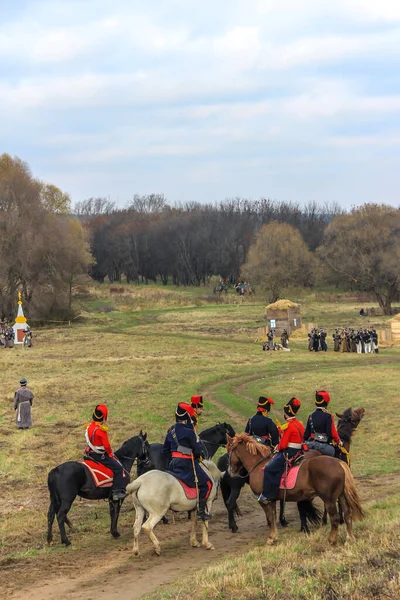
x=322 y=397
x=184 y=409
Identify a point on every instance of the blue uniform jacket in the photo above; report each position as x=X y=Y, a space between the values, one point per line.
x=182 y=467
x=263 y=427
x=323 y=423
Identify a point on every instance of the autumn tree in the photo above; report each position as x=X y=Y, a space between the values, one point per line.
x=362 y=250
x=42 y=250
x=278 y=259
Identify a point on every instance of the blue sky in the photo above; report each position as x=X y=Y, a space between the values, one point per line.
x=294 y=100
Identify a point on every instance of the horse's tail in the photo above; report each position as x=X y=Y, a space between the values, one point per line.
x=351 y=495
x=133 y=487
x=310 y=512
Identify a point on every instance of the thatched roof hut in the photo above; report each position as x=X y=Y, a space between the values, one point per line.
x=283 y=314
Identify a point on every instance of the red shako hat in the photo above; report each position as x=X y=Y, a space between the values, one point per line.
x=100 y=413
x=197 y=401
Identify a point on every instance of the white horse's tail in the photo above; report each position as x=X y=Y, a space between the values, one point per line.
x=133 y=487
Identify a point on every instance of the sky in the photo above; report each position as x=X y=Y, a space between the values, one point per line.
x=293 y=100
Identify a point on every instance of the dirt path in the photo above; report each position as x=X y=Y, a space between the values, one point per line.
x=117 y=574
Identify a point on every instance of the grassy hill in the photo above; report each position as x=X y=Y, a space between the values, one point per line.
x=141 y=350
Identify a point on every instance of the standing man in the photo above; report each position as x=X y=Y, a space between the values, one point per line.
x=324 y=346
x=23 y=399
x=197 y=405
x=262 y=425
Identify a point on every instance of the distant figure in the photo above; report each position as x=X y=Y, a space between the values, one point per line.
x=363 y=313
x=28 y=337
x=23 y=399
x=284 y=338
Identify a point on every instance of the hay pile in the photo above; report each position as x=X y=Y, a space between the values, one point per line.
x=281 y=305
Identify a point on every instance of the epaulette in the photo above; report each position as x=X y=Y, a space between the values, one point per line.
x=103 y=427
x=284 y=426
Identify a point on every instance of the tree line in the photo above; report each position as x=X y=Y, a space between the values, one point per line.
x=46 y=246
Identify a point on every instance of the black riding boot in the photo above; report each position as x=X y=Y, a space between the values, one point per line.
x=118 y=495
x=202 y=513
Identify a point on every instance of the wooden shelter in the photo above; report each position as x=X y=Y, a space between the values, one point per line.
x=283 y=314
x=395 y=328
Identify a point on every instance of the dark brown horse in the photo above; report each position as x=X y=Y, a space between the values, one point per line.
x=323 y=476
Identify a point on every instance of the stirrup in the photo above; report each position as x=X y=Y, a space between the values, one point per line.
x=118 y=495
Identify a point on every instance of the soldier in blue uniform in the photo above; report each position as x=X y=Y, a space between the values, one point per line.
x=320 y=429
x=185 y=450
x=261 y=424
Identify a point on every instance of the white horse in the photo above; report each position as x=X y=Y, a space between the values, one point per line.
x=156 y=492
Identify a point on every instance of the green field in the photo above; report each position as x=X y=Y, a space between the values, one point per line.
x=144 y=350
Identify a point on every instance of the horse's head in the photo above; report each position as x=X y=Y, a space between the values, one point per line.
x=229 y=430
x=136 y=447
x=349 y=421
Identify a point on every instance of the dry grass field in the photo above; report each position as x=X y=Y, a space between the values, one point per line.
x=142 y=350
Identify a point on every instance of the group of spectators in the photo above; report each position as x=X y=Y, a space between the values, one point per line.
x=362 y=341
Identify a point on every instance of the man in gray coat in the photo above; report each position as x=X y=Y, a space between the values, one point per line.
x=23 y=399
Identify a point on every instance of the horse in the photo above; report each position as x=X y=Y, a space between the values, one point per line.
x=156 y=492
x=71 y=479
x=232 y=486
x=323 y=476
x=211 y=438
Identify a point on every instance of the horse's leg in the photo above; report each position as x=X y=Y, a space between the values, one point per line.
x=68 y=522
x=205 y=541
x=334 y=518
x=115 y=507
x=270 y=513
x=303 y=518
x=282 y=519
x=193 y=530
x=346 y=511
x=148 y=527
x=61 y=516
x=325 y=517
x=140 y=514
x=230 y=497
x=50 y=520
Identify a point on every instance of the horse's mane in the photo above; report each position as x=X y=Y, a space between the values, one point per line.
x=128 y=446
x=252 y=446
x=213 y=428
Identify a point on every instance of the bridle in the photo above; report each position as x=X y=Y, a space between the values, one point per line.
x=144 y=452
x=252 y=468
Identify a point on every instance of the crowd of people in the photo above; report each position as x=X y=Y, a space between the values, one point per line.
x=7 y=335
x=347 y=339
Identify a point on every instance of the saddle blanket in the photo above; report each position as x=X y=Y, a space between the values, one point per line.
x=290 y=480
x=102 y=475
x=191 y=493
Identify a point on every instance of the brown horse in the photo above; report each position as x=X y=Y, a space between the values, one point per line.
x=323 y=476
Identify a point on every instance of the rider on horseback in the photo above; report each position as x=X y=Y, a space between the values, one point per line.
x=197 y=405
x=261 y=424
x=185 y=449
x=320 y=429
x=99 y=449
x=290 y=444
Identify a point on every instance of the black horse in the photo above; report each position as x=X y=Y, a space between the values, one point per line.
x=72 y=479
x=211 y=438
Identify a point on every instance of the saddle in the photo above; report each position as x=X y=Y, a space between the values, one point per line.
x=291 y=478
x=190 y=492
x=101 y=475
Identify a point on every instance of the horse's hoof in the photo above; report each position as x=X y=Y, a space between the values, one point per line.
x=235 y=529
x=210 y=547
x=136 y=553
x=67 y=543
x=270 y=542
x=116 y=535
x=157 y=551
x=284 y=523
x=195 y=544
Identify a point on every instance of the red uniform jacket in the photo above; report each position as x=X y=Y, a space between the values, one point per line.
x=293 y=433
x=99 y=437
